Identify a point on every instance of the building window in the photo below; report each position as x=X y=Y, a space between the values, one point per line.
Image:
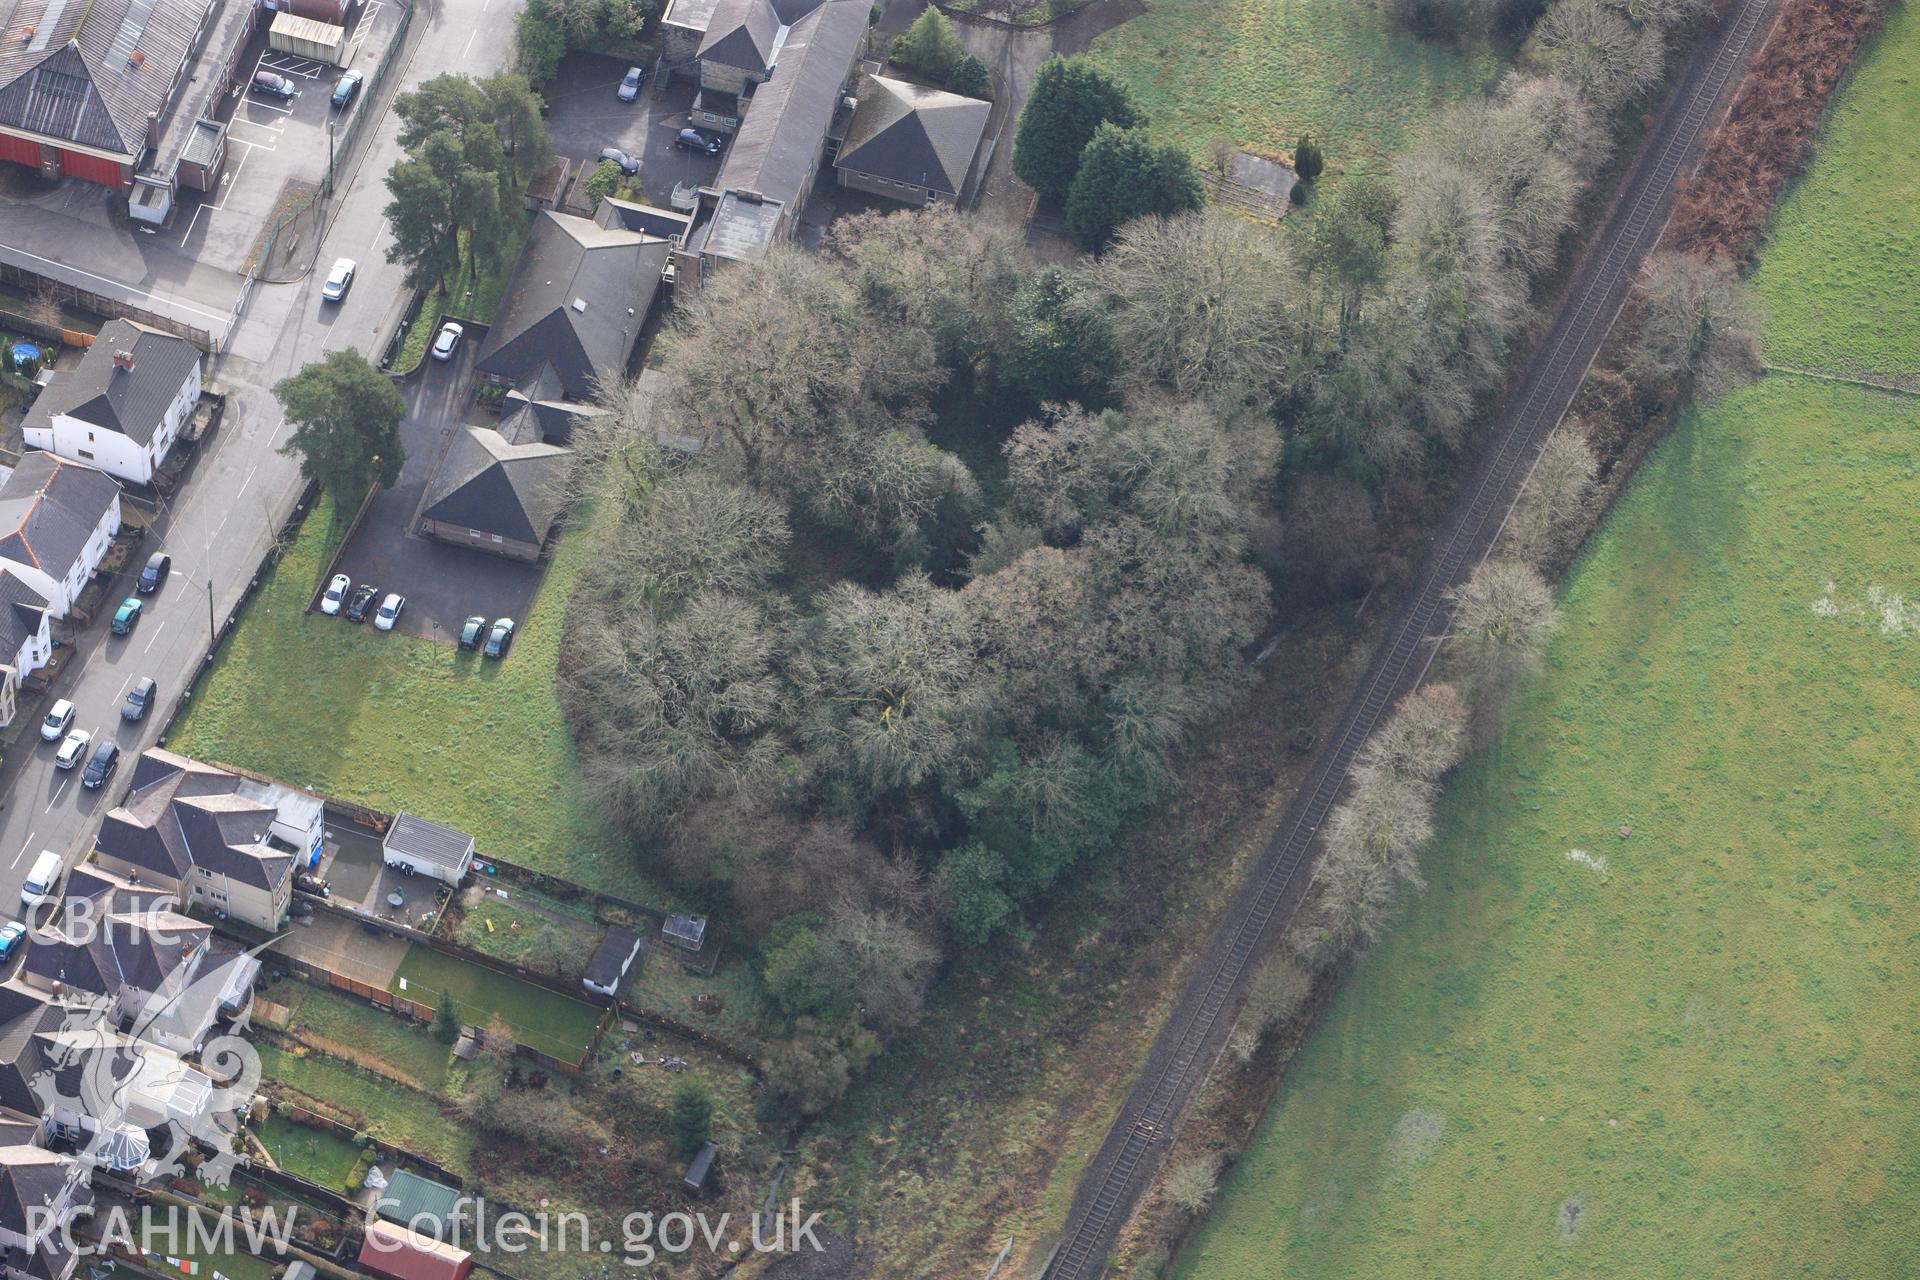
x=86 y=453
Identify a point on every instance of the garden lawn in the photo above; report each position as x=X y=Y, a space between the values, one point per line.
x=1836 y=281
x=312 y=1154
x=396 y=1114
x=1655 y=1015
x=1263 y=72
x=406 y=1047
x=552 y=1023
x=394 y=721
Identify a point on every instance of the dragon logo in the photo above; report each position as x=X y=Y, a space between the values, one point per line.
x=138 y=1080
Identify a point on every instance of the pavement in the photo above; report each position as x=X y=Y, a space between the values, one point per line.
x=241 y=489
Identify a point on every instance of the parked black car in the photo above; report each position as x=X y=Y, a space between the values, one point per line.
x=159 y=565
x=472 y=631
x=700 y=140
x=139 y=699
x=364 y=597
x=106 y=758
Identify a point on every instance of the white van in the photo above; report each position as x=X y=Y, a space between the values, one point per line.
x=42 y=879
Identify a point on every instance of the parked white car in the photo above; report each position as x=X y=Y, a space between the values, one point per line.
x=59 y=719
x=336 y=594
x=338 y=281
x=73 y=750
x=389 y=611
x=447 y=341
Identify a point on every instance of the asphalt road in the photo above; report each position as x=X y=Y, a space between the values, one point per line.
x=241 y=489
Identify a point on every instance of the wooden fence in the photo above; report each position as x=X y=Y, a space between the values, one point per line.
x=103 y=304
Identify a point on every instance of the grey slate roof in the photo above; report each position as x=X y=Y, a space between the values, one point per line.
x=487 y=483
x=180 y=814
x=779 y=141
x=527 y=419
x=567 y=260
x=21 y=609
x=741 y=34
x=642 y=217
x=76 y=76
x=426 y=841
x=31 y=1178
x=926 y=137
x=130 y=401
x=49 y=508
x=138 y=949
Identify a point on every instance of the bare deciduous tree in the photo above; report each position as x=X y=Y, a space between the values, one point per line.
x=1600 y=51
x=1205 y=306
x=953 y=277
x=1190 y=1185
x=1695 y=326
x=1504 y=617
x=1554 y=509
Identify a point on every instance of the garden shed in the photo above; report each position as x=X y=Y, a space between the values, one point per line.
x=427 y=848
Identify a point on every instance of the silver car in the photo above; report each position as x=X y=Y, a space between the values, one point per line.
x=339 y=280
x=446 y=341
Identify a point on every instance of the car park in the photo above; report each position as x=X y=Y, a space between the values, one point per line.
x=127 y=616
x=336 y=594
x=499 y=640
x=700 y=140
x=274 y=85
x=338 y=281
x=362 y=603
x=447 y=341
x=106 y=758
x=630 y=84
x=73 y=750
x=12 y=934
x=139 y=699
x=471 y=631
x=59 y=718
x=389 y=611
x=628 y=165
x=159 y=565
x=345 y=87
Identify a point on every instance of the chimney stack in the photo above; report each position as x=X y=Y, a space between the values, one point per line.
x=123 y=360
x=153 y=126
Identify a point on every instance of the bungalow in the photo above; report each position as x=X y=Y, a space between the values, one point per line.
x=911 y=143
x=57 y=519
x=122 y=408
x=196 y=831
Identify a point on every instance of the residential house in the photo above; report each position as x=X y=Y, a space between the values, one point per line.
x=142 y=963
x=427 y=848
x=26 y=641
x=910 y=143
x=208 y=837
x=40 y=1191
x=797 y=112
x=57 y=519
x=122 y=408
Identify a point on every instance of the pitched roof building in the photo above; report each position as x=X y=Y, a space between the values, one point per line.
x=187 y=825
x=574 y=305
x=125 y=382
x=57 y=519
x=911 y=143
x=496 y=495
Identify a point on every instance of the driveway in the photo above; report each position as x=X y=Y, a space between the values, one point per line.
x=583 y=116
x=443 y=584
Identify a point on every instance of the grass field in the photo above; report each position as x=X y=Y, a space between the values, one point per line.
x=1689 y=1051
x=405 y=1048
x=393 y=721
x=551 y=1023
x=1263 y=72
x=1837 y=277
x=312 y=1154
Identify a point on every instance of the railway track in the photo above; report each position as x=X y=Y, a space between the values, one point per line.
x=1190 y=1041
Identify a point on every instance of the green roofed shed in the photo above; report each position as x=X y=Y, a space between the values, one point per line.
x=411 y=1199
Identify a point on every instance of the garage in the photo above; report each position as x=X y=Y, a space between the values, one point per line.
x=419 y=847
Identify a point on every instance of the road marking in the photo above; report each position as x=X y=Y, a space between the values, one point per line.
x=244 y=484
x=379 y=235
x=156 y=635
x=58 y=791
x=123 y=688
x=138 y=293
x=276 y=431
x=470 y=40
x=23 y=849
